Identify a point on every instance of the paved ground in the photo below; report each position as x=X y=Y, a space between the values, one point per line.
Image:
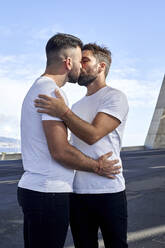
x=145 y=179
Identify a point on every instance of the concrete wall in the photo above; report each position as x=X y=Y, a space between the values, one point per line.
x=156 y=133
x=160 y=137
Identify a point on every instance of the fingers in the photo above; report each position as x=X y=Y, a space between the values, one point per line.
x=44 y=97
x=40 y=101
x=109 y=162
x=113 y=162
x=109 y=171
x=43 y=111
x=41 y=105
x=115 y=172
x=111 y=177
x=57 y=93
x=117 y=167
x=107 y=155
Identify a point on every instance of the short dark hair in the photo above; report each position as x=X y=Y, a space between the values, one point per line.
x=61 y=41
x=102 y=54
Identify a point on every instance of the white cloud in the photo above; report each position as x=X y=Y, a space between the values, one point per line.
x=139 y=92
x=24 y=65
x=15 y=80
x=9 y=125
x=124 y=72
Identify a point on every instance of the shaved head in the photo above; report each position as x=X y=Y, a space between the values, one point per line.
x=61 y=46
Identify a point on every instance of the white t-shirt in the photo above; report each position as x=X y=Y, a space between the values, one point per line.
x=113 y=102
x=42 y=172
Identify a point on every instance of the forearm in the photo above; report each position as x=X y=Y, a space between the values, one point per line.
x=102 y=124
x=82 y=129
x=69 y=156
x=72 y=158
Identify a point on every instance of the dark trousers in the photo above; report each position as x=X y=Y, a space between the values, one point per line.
x=46 y=218
x=89 y=212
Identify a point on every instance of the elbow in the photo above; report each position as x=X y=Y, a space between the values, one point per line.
x=92 y=140
x=59 y=153
x=57 y=156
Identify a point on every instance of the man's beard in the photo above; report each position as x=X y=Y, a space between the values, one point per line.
x=72 y=78
x=85 y=80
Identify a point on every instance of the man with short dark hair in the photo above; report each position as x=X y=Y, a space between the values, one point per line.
x=48 y=158
x=97 y=124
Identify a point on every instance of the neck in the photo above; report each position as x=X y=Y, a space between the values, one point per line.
x=60 y=78
x=95 y=86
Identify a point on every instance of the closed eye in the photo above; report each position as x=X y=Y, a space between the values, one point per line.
x=84 y=60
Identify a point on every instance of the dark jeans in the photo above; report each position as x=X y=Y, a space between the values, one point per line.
x=89 y=212
x=46 y=218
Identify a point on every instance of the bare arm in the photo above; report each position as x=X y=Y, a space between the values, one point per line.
x=90 y=133
x=71 y=157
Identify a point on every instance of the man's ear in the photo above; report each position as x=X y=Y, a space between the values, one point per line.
x=68 y=63
x=102 y=67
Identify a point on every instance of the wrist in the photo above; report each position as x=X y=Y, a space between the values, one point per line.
x=98 y=166
x=65 y=113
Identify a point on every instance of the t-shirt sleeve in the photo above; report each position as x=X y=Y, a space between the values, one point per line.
x=115 y=105
x=49 y=117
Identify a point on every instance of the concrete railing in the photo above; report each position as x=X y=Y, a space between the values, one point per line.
x=134 y=148
x=10 y=156
x=17 y=156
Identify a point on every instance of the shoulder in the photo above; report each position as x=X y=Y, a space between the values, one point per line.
x=45 y=84
x=114 y=95
x=110 y=91
x=114 y=102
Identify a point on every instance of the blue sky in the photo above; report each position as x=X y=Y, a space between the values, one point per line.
x=134 y=31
